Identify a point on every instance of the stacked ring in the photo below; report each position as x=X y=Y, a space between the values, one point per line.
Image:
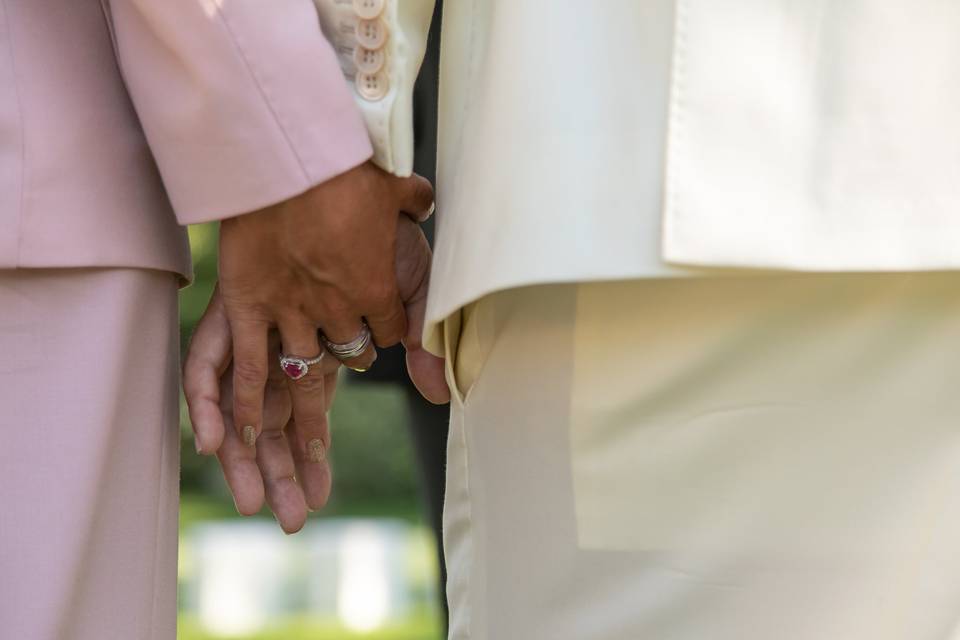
x=348 y=350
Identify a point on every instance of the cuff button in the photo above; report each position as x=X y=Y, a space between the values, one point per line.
x=371 y=34
x=368 y=60
x=372 y=86
x=368 y=9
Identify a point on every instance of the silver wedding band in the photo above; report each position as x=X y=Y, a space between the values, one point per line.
x=349 y=350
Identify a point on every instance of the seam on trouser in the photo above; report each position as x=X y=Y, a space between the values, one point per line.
x=452 y=327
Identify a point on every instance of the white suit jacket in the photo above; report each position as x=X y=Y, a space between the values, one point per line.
x=624 y=139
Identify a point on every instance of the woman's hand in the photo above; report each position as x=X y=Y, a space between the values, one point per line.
x=323 y=259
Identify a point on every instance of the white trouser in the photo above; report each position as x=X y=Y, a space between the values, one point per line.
x=741 y=458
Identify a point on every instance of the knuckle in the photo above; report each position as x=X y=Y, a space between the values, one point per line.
x=424 y=190
x=191 y=390
x=272 y=436
x=312 y=423
x=246 y=409
x=191 y=373
x=250 y=373
x=334 y=308
x=276 y=382
x=311 y=383
x=388 y=337
x=384 y=296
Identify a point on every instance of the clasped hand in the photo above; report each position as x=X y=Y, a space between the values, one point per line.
x=345 y=253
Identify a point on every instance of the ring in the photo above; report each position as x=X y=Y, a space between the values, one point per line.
x=351 y=349
x=296 y=367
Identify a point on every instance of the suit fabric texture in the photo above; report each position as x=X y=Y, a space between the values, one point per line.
x=691 y=138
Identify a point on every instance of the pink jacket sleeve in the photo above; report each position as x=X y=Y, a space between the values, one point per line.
x=242 y=101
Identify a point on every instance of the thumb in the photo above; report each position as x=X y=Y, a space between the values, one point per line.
x=415 y=195
x=427 y=373
x=426 y=370
x=207 y=358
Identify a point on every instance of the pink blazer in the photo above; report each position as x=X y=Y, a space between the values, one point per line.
x=121 y=120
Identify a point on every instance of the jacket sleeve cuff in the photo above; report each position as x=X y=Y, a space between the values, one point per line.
x=243 y=103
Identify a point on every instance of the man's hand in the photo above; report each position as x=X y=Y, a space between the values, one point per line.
x=324 y=259
x=413 y=280
x=289 y=468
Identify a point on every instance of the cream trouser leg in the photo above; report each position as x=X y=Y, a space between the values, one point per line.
x=88 y=454
x=707 y=459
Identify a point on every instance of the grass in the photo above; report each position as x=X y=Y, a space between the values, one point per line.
x=420 y=627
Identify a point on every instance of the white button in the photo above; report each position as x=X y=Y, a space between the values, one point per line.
x=372 y=34
x=369 y=60
x=368 y=9
x=373 y=86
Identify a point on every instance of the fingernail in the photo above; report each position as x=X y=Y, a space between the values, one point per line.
x=196 y=444
x=249 y=435
x=316 y=450
x=426 y=216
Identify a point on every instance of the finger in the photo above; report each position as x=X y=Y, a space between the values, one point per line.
x=415 y=196
x=387 y=320
x=238 y=461
x=313 y=475
x=315 y=478
x=277 y=405
x=283 y=494
x=309 y=445
x=307 y=393
x=207 y=358
x=330 y=381
x=249 y=376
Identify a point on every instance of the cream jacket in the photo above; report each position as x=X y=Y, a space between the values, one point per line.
x=630 y=139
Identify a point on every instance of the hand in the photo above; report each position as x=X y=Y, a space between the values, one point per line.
x=324 y=259
x=413 y=279
x=289 y=468
x=266 y=473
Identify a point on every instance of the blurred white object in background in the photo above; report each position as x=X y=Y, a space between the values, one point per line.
x=241 y=567
x=363 y=573
x=370 y=585
x=364 y=589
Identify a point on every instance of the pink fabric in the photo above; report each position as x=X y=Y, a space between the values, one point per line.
x=242 y=101
x=88 y=454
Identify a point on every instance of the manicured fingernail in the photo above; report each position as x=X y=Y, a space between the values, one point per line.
x=249 y=435
x=316 y=450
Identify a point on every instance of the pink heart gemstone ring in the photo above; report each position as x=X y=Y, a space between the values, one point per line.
x=296 y=367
